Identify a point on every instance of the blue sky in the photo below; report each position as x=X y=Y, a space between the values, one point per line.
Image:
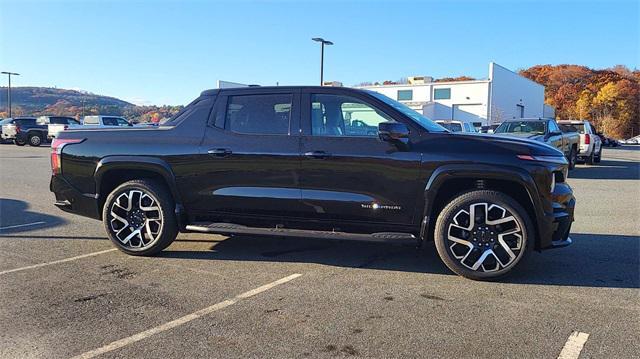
x=166 y=52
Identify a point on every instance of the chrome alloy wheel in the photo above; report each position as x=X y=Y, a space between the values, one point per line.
x=136 y=219
x=485 y=238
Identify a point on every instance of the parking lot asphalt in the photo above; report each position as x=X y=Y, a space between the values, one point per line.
x=66 y=293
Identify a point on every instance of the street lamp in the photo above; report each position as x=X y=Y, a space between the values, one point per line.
x=9 y=88
x=322 y=43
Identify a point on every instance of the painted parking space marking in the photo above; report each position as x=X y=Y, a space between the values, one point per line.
x=22 y=225
x=39 y=265
x=183 y=320
x=573 y=346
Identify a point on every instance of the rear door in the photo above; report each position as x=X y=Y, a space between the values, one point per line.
x=348 y=174
x=251 y=156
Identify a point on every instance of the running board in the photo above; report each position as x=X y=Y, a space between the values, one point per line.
x=230 y=228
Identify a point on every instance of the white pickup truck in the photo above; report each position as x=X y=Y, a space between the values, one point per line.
x=55 y=124
x=88 y=122
x=590 y=143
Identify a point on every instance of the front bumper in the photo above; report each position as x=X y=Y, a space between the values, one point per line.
x=555 y=232
x=69 y=199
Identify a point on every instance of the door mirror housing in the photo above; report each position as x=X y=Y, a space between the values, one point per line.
x=554 y=133
x=393 y=132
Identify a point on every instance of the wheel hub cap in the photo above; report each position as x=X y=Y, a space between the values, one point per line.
x=485 y=237
x=135 y=219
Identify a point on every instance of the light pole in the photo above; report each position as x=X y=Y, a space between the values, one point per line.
x=322 y=43
x=9 y=88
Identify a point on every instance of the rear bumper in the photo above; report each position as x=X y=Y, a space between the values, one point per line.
x=555 y=233
x=69 y=199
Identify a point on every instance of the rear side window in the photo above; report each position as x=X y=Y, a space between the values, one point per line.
x=90 y=121
x=25 y=122
x=62 y=120
x=114 y=121
x=259 y=114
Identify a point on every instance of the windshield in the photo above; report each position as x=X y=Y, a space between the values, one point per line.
x=407 y=111
x=532 y=127
x=451 y=126
x=6 y=121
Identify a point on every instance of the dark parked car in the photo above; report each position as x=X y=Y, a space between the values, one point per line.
x=23 y=130
x=295 y=161
x=545 y=130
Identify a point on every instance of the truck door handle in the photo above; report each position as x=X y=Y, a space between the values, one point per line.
x=317 y=154
x=220 y=152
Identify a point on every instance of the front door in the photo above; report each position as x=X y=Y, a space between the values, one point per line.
x=347 y=172
x=251 y=156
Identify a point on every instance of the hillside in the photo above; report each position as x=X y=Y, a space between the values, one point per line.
x=609 y=98
x=53 y=101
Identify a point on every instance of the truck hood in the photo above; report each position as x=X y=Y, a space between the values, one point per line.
x=516 y=144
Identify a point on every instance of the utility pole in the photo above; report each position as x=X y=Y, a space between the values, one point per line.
x=9 y=89
x=322 y=43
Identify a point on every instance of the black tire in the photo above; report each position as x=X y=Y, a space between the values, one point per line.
x=488 y=242
x=598 y=157
x=35 y=140
x=591 y=159
x=573 y=158
x=18 y=142
x=167 y=229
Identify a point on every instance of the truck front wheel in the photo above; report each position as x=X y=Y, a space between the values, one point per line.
x=482 y=234
x=139 y=217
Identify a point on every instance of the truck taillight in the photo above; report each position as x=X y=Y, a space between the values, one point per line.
x=56 y=152
x=587 y=139
x=17 y=129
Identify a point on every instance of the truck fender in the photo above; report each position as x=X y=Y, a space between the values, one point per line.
x=442 y=174
x=151 y=164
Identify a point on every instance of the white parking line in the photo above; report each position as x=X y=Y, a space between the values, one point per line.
x=56 y=262
x=573 y=346
x=182 y=320
x=22 y=225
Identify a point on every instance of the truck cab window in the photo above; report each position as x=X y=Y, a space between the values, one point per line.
x=259 y=114
x=335 y=115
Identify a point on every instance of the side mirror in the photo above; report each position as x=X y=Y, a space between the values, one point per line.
x=393 y=132
x=554 y=133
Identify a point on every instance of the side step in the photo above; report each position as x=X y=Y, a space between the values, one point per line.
x=230 y=228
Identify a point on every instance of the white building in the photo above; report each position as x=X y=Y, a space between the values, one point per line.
x=504 y=95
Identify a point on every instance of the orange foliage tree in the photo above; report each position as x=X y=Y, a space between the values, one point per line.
x=609 y=98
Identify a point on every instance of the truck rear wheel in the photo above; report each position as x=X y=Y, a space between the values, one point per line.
x=483 y=235
x=18 y=142
x=35 y=140
x=592 y=158
x=573 y=158
x=139 y=217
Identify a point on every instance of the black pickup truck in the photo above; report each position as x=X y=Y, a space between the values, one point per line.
x=295 y=161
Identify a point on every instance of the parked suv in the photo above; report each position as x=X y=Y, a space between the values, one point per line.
x=457 y=126
x=295 y=161
x=105 y=121
x=590 y=142
x=23 y=130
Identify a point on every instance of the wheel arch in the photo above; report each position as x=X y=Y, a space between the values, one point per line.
x=112 y=171
x=449 y=181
